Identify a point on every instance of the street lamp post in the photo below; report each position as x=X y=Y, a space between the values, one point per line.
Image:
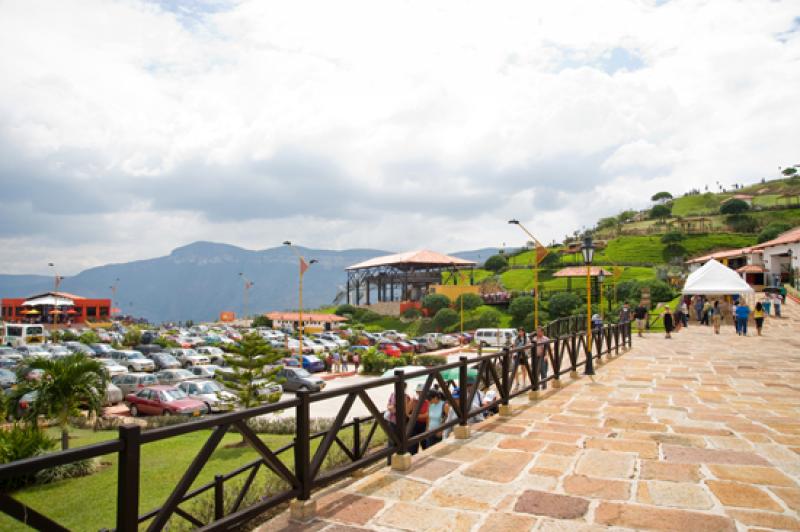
x=55 y=295
x=536 y=260
x=588 y=255
x=248 y=284
x=600 y=279
x=113 y=288
x=303 y=267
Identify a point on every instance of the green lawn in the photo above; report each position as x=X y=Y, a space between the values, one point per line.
x=89 y=503
x=700 y=204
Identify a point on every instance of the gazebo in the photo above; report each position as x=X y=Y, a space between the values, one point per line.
x=403 y=276
x=580 y=272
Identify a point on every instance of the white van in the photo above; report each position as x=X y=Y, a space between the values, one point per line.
x=494 y=337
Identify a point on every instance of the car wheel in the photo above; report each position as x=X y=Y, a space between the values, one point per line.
x=131 y=370
x=166 y=413
x=208 y=409
x=134 y=411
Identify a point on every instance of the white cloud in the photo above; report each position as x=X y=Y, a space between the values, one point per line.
x=364 y=124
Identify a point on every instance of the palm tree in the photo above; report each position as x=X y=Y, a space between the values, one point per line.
x=67 y=383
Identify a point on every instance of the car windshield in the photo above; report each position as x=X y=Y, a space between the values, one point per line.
x=301 y=372
x=173 y=395
x=209 y=387
x=136 y=356
x=183 y=373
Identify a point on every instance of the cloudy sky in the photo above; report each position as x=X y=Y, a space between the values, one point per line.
x=128 y=128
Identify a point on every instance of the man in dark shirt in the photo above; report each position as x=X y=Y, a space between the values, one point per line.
x=640 y=314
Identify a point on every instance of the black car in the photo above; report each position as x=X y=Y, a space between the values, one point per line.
x=148 y=349
x=165 y=361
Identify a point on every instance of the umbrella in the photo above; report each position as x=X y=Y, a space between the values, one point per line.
x=405 y=369
x=452 y=374
x=72 y=311
x=53 y=312
x=31 y=311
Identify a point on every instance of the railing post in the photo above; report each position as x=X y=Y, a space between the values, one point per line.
x=303 y=508
x=219 y=497
x=461 y=431
x=128 y=468
x=505 y=380
x=402 y=460
x=357 y=437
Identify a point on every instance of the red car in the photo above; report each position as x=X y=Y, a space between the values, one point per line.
x=404 y=347
x=163 y=401
x=389 y=349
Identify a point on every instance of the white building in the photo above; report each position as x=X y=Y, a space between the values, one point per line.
x=781 y=257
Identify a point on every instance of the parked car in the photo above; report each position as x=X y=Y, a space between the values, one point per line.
x=494 y=337
x=327 y=344
x=309 y=343
x=102 y=350
x=389 y=349
x=331 y=337
x=188 y=357
x=114 y=394
x=163 y=401
x=58 y=351
x=131 y=382
x=8 y=362
x=31 y=351
x=215 y=397
x=292 y=362
x=78 y=347
x=208 y=371
x=112 y=367
x=133 y=360
x=8 y=378
x=300 y=379
x=215 y=354
x=404 y=347
x=148 y=349
x=174 y=376
x=313 y=364
x=165 y=361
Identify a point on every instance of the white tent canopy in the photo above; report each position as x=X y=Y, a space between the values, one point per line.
x=715 y=279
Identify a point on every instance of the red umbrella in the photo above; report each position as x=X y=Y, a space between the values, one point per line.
x=115 y=310
x=72 y=311
x=53 y=312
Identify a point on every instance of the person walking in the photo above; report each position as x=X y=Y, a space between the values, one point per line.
x=776 y=301
x=698 y=308
x=742 y=315
x=668 y=323
x=783 y=294
x=541 y=356
x=684 y=313
x=356 y=361
x=758 y=316
x=704 y=320
x=640 y=314
x=716 y=318
x=625 y=313
x=767 y=304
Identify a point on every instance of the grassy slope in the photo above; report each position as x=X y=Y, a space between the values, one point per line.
x=163 y=463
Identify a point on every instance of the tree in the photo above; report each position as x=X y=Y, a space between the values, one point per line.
x=89 y=337
x=261 y=321
x=673 y=237
x=132 y=337
x=673 y=248
x=563 y=304
x=660 y=212
x=624 y=216
x=471 y=301
x=445 y=318
x=67 y=383
x=608 y=222
x=488 y=318
x=790 y=171
x=741 y=223
x=346 y=308
x=412 y=313
x=661 y=197
x=734 y=206
x=495 y=263
x=433 y=303
x=253 y=361
x=520 y=307
x=772 y=231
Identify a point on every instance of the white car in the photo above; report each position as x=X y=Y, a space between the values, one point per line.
x=189 y=357
x=310 y=343
x=216 y=398
x=215 y=354
x=111 y=367
x=133 y=360
x=327 y=344
x=341 y=342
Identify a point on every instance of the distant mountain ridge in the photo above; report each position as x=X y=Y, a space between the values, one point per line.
x=199 y=280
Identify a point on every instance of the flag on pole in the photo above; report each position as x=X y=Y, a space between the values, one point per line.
x=248 y=285
x=541 y=252
x=303 y=266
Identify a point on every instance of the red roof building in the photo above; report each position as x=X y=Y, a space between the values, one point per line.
x=55 y=307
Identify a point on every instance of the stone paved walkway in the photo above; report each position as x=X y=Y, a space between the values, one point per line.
x=696 y=433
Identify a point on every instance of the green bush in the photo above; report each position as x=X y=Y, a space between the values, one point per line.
x=89 y=337
x=470 y=302
x=374 y=362
x=431 y=360
x=772 y=231
x=412 y=313
x=445 y=318
x=341 y=310
x=69 y=336
x=261 y=321
x=22 y=440
x=520 y=307
x=433 y=303
x=368 y=316
x=495 y=263
x=734 y=206
x=563 y=304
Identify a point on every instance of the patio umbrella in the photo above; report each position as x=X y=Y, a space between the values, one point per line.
x=72 y=311
x=405 y=369
x=31 y=311
x=452 y=374
x=53 y=312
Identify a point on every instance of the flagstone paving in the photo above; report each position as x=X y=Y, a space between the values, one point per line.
x=700 y=432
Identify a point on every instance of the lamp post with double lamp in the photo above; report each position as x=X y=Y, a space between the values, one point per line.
x=56 y=281
x=248 y=284
x=536 y=259
x=303 y=267
x=588 y=255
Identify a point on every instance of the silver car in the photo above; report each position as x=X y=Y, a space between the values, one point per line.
x=133 y=382
x=114 y=394
x=133 y=360
x=216 y=398
x=174 y=376
x=111 y=367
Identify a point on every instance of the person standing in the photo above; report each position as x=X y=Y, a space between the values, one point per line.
x=421 y=423
x=776 y=301
x=640 y=314
x=767 y=304
x=625 y=313
x=758 y=315
x=716 y=318
x=541 y=341
x=391 y=411
x=519 y=343
x=356 y=361
x=783 y=294
x=684 y=313
x=668 y=324
x=698 y=308
x=704 y=320
x=742 y=315
x=437 y=412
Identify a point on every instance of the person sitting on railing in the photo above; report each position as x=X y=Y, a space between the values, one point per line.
x=422 y=418
x=438 y=411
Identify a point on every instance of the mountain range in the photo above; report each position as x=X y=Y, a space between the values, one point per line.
x=198 y=281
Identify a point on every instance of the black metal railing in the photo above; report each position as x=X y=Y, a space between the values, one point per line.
x=564 y=353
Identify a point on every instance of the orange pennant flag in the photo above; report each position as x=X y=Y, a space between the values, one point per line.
x=541 y=253
x=303 y=266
